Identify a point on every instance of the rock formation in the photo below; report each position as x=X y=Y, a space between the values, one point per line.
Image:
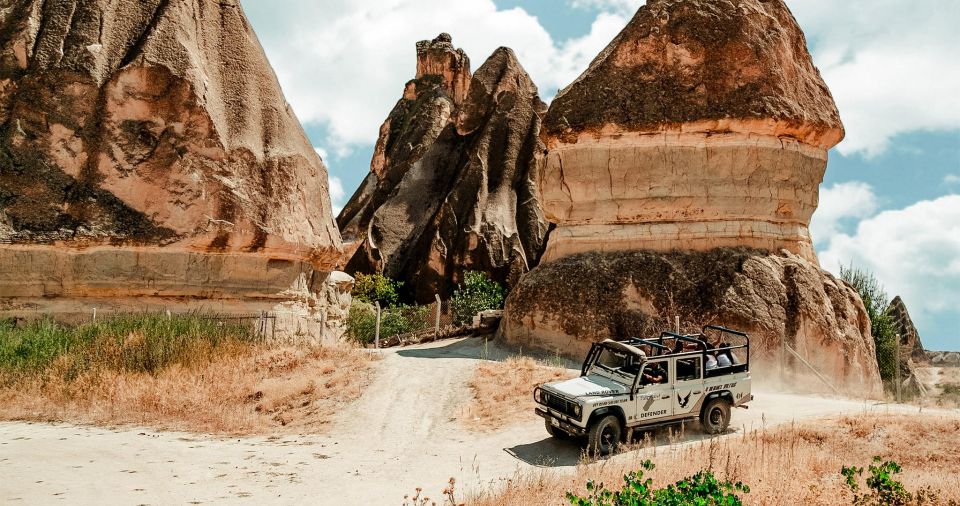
x=703 y=124
x=449 y=188
x=910 y=344
x=682 y=171
x=148 y=159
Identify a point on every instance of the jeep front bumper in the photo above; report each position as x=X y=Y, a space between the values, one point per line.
x=560 y=421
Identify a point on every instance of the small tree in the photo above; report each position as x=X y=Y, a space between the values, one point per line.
x=372 y=288
x=478 y=293
x=881 y=323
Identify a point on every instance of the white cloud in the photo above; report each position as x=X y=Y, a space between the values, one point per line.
x=343 y=64
x=951 y=179
x=888 y=63
x=915 y=252
x=838 y=203
x=337 y=193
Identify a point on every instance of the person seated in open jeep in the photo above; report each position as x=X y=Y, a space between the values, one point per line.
x=654 y=374
x=639 y=384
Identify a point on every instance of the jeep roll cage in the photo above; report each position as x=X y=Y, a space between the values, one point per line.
x=646 y=349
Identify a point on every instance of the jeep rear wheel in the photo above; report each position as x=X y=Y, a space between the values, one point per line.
x=603 y=435
x=715 y=416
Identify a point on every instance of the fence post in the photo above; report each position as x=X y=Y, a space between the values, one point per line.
x=376 y=339
x=436 y=325
x=94 y=315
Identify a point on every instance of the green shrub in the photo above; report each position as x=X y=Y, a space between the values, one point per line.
x=478 y=293
x=702 y=488
x=144 y=342
x=881 y=323
x=884 y=489
x=376 y=288
x=397 y=320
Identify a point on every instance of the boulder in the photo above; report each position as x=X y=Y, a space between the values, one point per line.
x=149 y=160
x=450 y=186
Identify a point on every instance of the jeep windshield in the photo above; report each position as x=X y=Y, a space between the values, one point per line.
x=615 y=360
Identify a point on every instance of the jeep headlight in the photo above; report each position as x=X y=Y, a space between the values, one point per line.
x=577 y=410
x=538 y=395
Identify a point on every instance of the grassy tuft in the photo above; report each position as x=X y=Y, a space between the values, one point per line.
x=134 y=343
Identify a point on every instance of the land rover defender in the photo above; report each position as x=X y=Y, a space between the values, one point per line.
x=640 y=384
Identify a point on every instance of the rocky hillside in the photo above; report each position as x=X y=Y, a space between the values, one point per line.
x=910 y=344
x=450 y=187
x=682 y=169
x=148 y=157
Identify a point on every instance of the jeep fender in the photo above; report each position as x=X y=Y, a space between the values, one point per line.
x=723 y=394
x=616 y=411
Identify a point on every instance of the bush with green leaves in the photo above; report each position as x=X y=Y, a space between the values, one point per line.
x=883 y=487
x=702 y=489
x=396 y=320
x=881 y=323
x=477 y=293
x=372 y=288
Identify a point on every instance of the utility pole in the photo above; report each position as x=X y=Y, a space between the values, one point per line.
x=897 y=372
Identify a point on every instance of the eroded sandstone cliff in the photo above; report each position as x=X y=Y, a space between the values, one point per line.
x=703 y=124
x=148 y=158
x=449 y=188
x=682 y=169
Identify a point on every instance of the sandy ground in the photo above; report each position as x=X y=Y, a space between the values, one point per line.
x=403 y=433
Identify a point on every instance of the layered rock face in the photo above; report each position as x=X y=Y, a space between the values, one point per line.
x=682 y=171
x=703 y=124
x=149 y=159
x=450 y=186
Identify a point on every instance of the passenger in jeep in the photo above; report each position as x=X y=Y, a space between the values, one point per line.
x=654 y=375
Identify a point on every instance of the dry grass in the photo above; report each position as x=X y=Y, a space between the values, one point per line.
x=503 y=391
x=243 y=388
x=796 y=464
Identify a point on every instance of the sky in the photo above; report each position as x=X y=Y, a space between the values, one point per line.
x=890 y=201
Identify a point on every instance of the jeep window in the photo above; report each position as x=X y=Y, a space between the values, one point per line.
x=655 y=373
x=688 y=368
x=617 y=362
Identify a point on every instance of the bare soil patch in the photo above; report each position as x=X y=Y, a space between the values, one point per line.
x=792 y=464
x=503 y=391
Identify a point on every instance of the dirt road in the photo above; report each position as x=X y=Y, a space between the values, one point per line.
x=403 y=433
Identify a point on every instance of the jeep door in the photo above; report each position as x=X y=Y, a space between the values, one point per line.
x=655 y=392
x=688 y=386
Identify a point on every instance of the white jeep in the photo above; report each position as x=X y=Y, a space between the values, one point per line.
x=641 y=384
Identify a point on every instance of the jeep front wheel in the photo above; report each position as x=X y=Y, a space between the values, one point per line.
x=715 y=416
x=604 y=435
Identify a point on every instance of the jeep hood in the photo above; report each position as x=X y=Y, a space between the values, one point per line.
x=590 y=385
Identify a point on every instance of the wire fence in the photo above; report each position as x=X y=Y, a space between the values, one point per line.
x=263 y=325
x=399 y=325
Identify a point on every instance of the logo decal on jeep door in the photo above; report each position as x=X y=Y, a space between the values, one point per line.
x=684 y=400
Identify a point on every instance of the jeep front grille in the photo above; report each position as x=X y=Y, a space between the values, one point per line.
x=560 y=404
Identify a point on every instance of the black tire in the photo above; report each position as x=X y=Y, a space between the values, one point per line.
x=554 y=431
x=715 y=417
x=604 y=435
